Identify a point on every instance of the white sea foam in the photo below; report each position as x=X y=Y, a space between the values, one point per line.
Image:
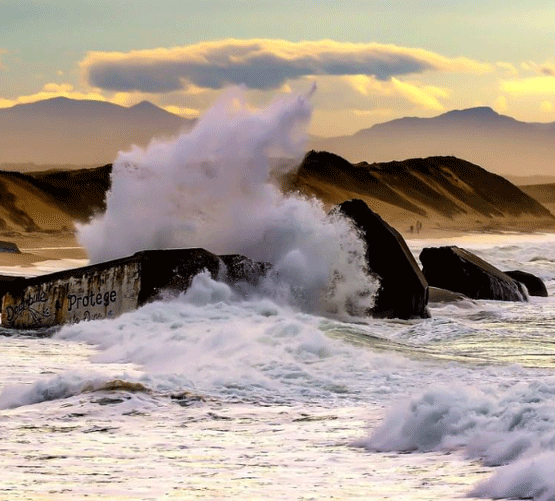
x=529 y=478
x=514 y=429
x=62 y=386
x=216 y=342
x=476 y=384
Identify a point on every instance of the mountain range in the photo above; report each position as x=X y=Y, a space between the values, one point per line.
x=64 y=131
x=80 y=132
x=496 y=142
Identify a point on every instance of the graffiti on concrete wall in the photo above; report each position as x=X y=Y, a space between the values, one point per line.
x=90 y=294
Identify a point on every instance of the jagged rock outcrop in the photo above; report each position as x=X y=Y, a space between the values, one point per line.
x=239 y=268
x=403 y=291
x=459 y=270
x=534 y=284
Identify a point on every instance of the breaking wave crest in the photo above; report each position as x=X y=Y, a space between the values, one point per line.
x=514 y=431
x=64 y=386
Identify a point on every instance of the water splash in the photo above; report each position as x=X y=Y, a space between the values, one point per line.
x=211 y=188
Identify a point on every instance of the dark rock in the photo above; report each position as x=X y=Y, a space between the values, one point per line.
x=459 y=270
x=403 y=291
x=6 y=282
x=534 y=284
x=172 y=269
x=239 y=268
x=9 y=247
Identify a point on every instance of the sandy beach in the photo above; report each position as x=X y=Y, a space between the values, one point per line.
x=41 y=253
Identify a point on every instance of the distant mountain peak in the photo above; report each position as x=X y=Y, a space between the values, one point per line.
x=144 y=105
x=477 y=112
x=72 y=131
x=59 y=99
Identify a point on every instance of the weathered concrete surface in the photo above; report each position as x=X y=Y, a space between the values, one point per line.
x=534 y=284
x=89 y=293
x=109 y=289
x=460 y=270
x=403 y=289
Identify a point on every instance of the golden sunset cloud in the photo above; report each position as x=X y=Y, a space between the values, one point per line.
x=49 y=91
x=540 y=85
x=260 y=64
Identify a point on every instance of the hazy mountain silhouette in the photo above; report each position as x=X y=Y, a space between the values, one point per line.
x=68 y=131
x=480 y=135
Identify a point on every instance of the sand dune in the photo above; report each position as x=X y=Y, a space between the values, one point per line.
x=447 y=195
x=40 y=223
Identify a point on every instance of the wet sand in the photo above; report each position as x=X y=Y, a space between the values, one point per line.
x=40 y=251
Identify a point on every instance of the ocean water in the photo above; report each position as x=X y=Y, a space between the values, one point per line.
x=280 y=392
x=219 y=395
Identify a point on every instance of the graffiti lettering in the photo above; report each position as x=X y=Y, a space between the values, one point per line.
x=14 y=312
x=74 y=301
x=87 y=315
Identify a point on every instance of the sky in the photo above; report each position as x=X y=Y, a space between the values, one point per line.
x=372 y=60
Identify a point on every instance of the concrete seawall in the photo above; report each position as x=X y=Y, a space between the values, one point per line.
x=109 y=289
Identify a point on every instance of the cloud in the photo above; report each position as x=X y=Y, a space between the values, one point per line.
x=259 y=64
x=546 y=106
x=183 y=111
x=423 y=96
x=49 y=91
x=367 y=86
x=375 y=113
x=547 y=68
x=508 y=68
x=501 y=104
x=426 y=97
x=540 y=85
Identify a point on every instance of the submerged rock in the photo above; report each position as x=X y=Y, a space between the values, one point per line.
x=403 y=291
x=459 y=270
x=534 y=284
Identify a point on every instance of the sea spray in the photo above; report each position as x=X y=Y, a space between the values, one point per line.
x=211 y=188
